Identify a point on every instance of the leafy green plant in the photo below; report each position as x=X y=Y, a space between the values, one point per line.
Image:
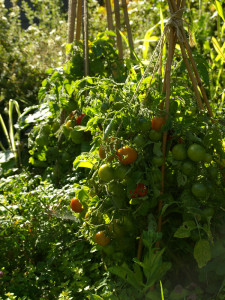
x=13 y=139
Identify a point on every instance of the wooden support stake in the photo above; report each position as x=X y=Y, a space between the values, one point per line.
x=127 y=22
x=109 y=14
x=71 y=19
x=79 y=19
x=85 y=36
x=199 y=82
x=118 y=28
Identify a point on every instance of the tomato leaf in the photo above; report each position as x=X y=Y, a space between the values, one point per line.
x=185 y=229
x=202 y=252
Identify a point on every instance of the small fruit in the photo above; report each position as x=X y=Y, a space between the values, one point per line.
x=188 y=168
x=140 y=191
x=179 y=152
x=76 y=205
x=106 y=173
x=139 y=140
x=101 y=238
x=101 y=152
x=79 y=119
x=199 y=190
x=157 y=123
x=196 y=152
x=127 y=155
x=208 y=158
x=155 y=136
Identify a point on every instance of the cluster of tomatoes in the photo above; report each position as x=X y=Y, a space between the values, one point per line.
x=127 y=182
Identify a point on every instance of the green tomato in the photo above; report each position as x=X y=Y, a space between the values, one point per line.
x=188 y=168
x=139 y=140
x=76 y=136
x=120 y=172
x=106 y=173
x=144 y=125
x=155 y=136
x=196 y=152
x=199 y=190
x=157 y=161
x=213 y=172
x=207 y=213
x=179 y=152
x=208 y=158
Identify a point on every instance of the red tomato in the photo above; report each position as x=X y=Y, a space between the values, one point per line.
x=140 y=191
x=79 y=119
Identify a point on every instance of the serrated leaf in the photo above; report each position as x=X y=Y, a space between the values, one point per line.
x=202 y=252
x=185 y=229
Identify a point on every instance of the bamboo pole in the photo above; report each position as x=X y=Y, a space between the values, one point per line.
x=118 y=28
x=79 y=19
x=71 y=19
x=85 y=36
x=127 y=22
x=109 y=14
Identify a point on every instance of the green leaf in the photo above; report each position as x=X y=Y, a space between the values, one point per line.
x=6 y=156
x=84 y=161
x=147 y=40
x=95 y=297
x=202 y=252
x=218 y=48
x=219 y=9
x=185 y=229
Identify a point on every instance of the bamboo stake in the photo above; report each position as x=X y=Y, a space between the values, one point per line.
x=118 y=28
x=109 y=15
x=85 y=36
x=71 y=19
x=79 y=18
x=172 y=38
x=199 y=82
x=127 y=22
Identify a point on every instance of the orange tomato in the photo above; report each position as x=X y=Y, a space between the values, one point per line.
x=127 y=155
x=101 y=238
x=157 y=123
x=76 y=205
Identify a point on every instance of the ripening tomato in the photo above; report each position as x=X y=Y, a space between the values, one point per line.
x=106 y=173
x=76 y=205
x=127 y=155
x=101 y=238
x=102 y=152
x=79 y=119
x=157 y=123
